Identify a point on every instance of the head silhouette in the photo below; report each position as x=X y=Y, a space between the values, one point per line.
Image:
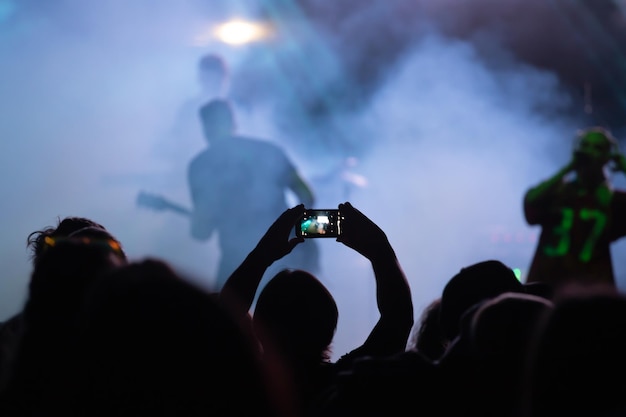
x=152 y=344
x=577 y=362
x=212 y=74
x=594 y=148
x=40 y=240
x=472 y=285
x=297 y=315
x=217 y=120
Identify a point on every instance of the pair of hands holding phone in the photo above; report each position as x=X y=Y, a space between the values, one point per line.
x=355 y=230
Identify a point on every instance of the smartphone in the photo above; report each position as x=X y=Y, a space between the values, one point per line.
x=319 y=223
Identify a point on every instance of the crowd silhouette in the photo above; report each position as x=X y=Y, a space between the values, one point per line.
x=102 y=335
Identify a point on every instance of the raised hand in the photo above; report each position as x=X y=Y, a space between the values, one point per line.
x=393 y=295
x=276 y=242
x=360 y=233
x=619 y=162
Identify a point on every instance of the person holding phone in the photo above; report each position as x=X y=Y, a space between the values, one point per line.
x=295 y=316
x=580 y=214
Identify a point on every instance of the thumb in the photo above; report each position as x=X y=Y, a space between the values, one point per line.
x=293 y=242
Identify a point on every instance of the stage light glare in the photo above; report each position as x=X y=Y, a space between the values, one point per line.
x=239 y=32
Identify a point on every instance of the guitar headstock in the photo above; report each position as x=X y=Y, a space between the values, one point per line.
x=152 y=201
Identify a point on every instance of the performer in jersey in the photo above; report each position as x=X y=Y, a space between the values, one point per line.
x=580 y=214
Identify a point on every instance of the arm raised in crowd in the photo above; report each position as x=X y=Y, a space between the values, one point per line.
x=536 y=197
x=393 y=294
x=241 y=287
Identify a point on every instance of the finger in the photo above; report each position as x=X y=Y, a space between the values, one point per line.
x=299 y=209
x=292 y=214
x=346 y=208
x=293 y=243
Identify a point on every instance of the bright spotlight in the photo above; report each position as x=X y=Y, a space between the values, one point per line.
x=239 y=32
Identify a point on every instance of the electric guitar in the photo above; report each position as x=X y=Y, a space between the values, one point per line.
x=160 y=203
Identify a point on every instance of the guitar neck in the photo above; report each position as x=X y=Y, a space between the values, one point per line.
x=157 y=202
x=178 y=209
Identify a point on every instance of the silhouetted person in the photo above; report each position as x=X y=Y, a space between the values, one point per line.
x=295 y=317
x=426 y=335
x=577 y=363
x=62 y=275
x=500 y=335
x=39 y=242
x=184 y=137
x=462 y=295
x=471 y=286
x=149 y=343
x=238 y=187
x=579 y=217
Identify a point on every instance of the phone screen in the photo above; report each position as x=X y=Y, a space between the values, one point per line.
x=319 y=223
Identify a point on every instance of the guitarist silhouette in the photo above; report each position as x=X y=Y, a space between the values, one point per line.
x=238 y=188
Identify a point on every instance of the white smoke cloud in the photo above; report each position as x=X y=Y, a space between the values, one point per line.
x=447 y=140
